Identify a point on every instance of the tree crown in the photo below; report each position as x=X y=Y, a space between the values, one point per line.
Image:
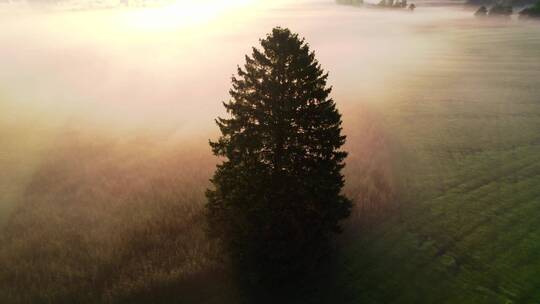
x=277 y=193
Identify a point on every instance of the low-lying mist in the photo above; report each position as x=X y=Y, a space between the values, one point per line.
x=120 y=218
x=105 y=118
x=124 y=74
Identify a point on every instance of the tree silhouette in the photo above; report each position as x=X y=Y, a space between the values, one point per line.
x=276 y=197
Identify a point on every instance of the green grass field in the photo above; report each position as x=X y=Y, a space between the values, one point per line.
x=468 y=158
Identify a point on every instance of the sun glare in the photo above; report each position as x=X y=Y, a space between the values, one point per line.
x=185 y=13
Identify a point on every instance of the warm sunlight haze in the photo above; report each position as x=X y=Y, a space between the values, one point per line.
x=269 y=151
x=187 y=13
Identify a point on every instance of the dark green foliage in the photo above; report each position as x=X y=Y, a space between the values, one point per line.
x=276 y=197
x=515 y=3
x=501 y=10
x=533 y=11
x=392 y=4
x=481 y=12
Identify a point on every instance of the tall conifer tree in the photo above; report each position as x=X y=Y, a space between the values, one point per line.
x=276 y=197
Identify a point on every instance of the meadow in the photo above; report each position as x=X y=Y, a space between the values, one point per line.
x=466 y=230
x=102 y=203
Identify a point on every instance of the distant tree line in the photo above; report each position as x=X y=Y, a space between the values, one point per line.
x=395 y=4
x=350 y=2
x=502 y=8
x=505 y=8
x=489 y=3
x=531 y=12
